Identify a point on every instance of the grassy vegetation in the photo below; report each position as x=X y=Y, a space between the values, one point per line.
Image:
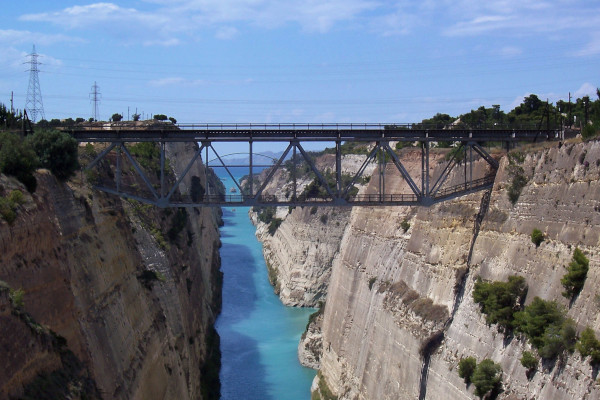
x=405 y=225
x=16 y=297
x=9 y=205
x=324 y=390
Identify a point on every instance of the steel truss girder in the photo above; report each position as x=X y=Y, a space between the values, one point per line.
x=424 y=195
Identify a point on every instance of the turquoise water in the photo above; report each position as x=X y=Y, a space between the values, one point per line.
x=259 y=335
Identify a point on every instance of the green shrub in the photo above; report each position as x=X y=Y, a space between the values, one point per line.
x=466 y=367
x=7 y=210
x=588 y=345
x=18 y=159
x=16 y=298
x=274 y=225
x=528 y=360
x=90 y=151
x=545 y=324
x=518 y=182
x=577 y=270
x=405 y=225
x=457 y=152
x=266 y=214
x=147 y=277
x=92 y=177
x=500 y=300
x=588 y=131
x=147 y=154
x=323 y=218
x=9 y=204
x=16 y=197
x=56 y=151
x=558 y=338
x=486 y=377
x=372 y=282
x=537 y=237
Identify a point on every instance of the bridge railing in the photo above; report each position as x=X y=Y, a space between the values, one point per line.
x=464 y=187
x=275 y=200
x=223 y=126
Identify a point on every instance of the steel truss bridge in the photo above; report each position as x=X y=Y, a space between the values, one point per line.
x=425 y=190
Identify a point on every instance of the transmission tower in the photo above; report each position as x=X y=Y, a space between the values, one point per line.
x=34 y=104
x=95 y=96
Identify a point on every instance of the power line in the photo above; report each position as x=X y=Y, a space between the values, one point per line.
x=34 y=104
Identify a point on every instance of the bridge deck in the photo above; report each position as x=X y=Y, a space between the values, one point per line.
x=302 y=132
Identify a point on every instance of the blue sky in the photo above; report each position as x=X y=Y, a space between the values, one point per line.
x=298 y=60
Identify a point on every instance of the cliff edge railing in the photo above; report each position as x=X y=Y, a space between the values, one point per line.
x=333 y=187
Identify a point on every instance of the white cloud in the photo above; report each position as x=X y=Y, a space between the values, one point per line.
x=226 y=33
x=587 y=89
x=163 y=42
x=14 y=37
x=510 y=51
x=176 y=81
x=592 y=48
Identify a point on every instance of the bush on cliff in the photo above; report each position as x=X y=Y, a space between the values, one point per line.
x=537 y=237
x=18 y=159
x=577 y=270
x=56 y=151
x=528 y=360
x=466 y=367
x=545 y=324
x=588 y=345
x=500 y=300
x=487 y=377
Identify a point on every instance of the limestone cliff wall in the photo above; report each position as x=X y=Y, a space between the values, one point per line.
x=81 y=256
x=391 y=292
x=301 y=251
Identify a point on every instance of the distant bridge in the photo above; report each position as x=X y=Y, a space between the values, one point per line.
x=425 y=190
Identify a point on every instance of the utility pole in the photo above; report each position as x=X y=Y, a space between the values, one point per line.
x=569 y=111
x=95 y=96
x=34 y=103
x=12 y=109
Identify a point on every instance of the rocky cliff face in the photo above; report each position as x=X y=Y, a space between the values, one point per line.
x=134 y=298
x=300 y=253
x=400 y=312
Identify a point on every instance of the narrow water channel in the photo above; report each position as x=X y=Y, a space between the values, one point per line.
x=259 y=335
